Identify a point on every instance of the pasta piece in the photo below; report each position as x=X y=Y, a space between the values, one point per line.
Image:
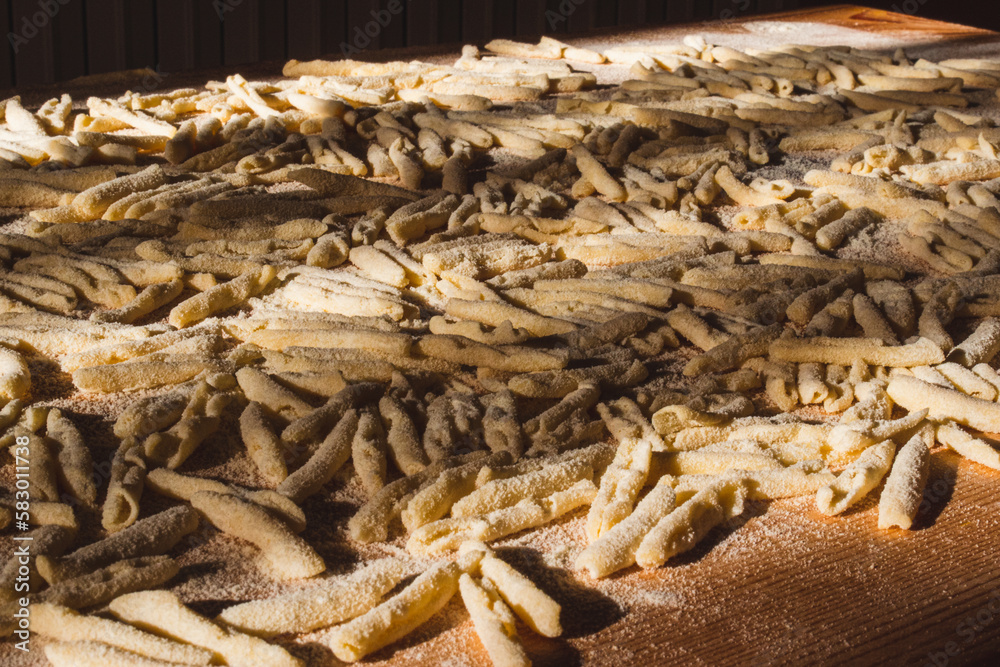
x=615 y=549
x=851 y=438
x=595 y=172
x=75 y=466
x=508 y=358
x=734 y=351
x=396 y=617
x=811 y=385
x=221 y=297
x=499 y=638
x=128 y=476
x=716 y=462
x=809 y=303
x=401 y=436
x=801 y=479
x=286 y=555
x=48 y=514
x=258 y=386
x=966 y=381
x=97 y=654
x=368 y=451
x=502 y=430
x=685 y=526
x=971 y=448
x=199 y=420
x=107 y=583
x=860 y=477
x=168 y=483
x=980 y=347
x=149 y=415
x=872 y=320
x=152 y=297
x=451 y=421
x=739 y=192
x=501 y=493
x=845 y=351
x=263 y=445
x=494 y=314
x=904 y=488
x=162 y=612
x=379 y=265
x=944 y=404
x=116 y=352
x=65 y=625
x=438 y=497
x=312 y=426
x=143 y=374
x=15 y=377
x=692 y=327
x=833 y=234
x=624 y=478
x=319 y=384
x=151 y=536
x=94 y=201
x=330 y=602
x=988 y=373
x=448 y=534
x=538 y=611
x=943 y=173
x=371 y=522
x=332 y=453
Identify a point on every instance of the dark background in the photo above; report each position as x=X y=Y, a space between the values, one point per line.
x=94 y=36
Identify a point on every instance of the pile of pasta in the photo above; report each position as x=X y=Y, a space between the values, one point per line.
x=494 y=294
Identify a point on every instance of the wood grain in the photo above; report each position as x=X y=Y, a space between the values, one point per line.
x=880 y=20
x=838 y=591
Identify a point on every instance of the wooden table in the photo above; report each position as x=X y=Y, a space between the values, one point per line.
x=790 y=586
x=785 y=584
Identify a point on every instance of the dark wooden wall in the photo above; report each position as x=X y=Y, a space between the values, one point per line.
x=57 y=40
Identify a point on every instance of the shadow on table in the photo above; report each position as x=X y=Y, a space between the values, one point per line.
x=937 y=491
x=585 y=610
x=752 y=510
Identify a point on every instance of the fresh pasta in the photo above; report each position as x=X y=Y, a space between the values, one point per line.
x=444 y=304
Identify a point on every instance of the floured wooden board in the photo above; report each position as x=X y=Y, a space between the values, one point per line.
x=781 y=583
